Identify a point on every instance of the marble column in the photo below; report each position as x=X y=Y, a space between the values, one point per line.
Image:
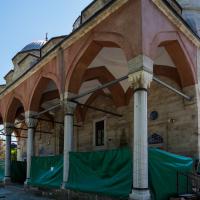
x=140 y=81
x=8 y=128
x=31 y=123
x=68 y=139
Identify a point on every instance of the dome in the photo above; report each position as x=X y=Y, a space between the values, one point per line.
x=36 y=45
x=191 y=14
x=195 y=4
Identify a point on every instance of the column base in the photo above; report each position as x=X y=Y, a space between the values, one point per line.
x=63 y=186
x=26 y=185
x=7 y=180
x=140 y=195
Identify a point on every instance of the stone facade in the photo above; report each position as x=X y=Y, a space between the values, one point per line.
x=176 y=123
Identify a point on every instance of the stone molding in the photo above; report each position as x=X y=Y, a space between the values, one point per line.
x=140 y=79
x=140 y=62
x=30 y=119
x=8 y=128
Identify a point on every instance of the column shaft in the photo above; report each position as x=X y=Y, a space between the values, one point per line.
x=140 y=152
x=68 y=144
x=31 y=123
x=8 y=130
x=29 y=152
x=8 y=159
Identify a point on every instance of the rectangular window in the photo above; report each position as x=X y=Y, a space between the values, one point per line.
x=99 y=133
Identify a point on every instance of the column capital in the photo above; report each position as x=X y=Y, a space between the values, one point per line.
x=69 y=107
x=30 y=119
x=8 y=128
x=140 y=79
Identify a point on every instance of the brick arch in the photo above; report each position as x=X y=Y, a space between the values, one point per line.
x=12 y=109
x=169 y=72
x=89 y=51
x=178 y=52
x=37 y=92
x=104 y=76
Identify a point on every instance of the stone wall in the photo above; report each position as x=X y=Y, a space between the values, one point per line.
x=116 y=127
x=176 y=123
x=45 y=144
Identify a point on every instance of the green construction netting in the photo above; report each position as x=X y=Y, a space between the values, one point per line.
x=18 y=171
x=110 y=172
x=47 y=171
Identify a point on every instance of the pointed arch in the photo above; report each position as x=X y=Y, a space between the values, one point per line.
x=177 y=50
x=38 y=90
x=89 y=51
x=104 y=76
x=13 y=108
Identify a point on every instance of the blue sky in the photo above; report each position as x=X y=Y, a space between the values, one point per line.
x=23 y=21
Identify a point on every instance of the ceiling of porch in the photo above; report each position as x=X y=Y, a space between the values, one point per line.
x=109 y=64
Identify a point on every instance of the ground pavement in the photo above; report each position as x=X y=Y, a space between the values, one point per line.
x=18 y=193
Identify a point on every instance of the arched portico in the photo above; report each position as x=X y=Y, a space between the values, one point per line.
x=169 y=59
x=46 y=93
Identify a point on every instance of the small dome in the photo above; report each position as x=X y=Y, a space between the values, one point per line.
x=36 y=45
x=190 y=4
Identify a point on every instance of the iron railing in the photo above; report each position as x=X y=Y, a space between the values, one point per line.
x=191 y=183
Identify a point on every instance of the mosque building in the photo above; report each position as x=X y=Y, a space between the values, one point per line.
x=126 y=76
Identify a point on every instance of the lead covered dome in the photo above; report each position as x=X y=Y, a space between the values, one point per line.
x=25 y=59
x=191 y=13
x=35 y=45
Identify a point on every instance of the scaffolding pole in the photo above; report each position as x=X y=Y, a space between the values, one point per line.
x=97 y=109
x=172 y=89
x=106 y=85
x=189 y=98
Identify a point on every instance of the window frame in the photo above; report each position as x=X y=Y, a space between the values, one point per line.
x=104 y=119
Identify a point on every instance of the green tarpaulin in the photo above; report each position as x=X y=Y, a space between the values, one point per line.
x=110 y=172
x=102 y=172
x=47 y=172
x=163 y=167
